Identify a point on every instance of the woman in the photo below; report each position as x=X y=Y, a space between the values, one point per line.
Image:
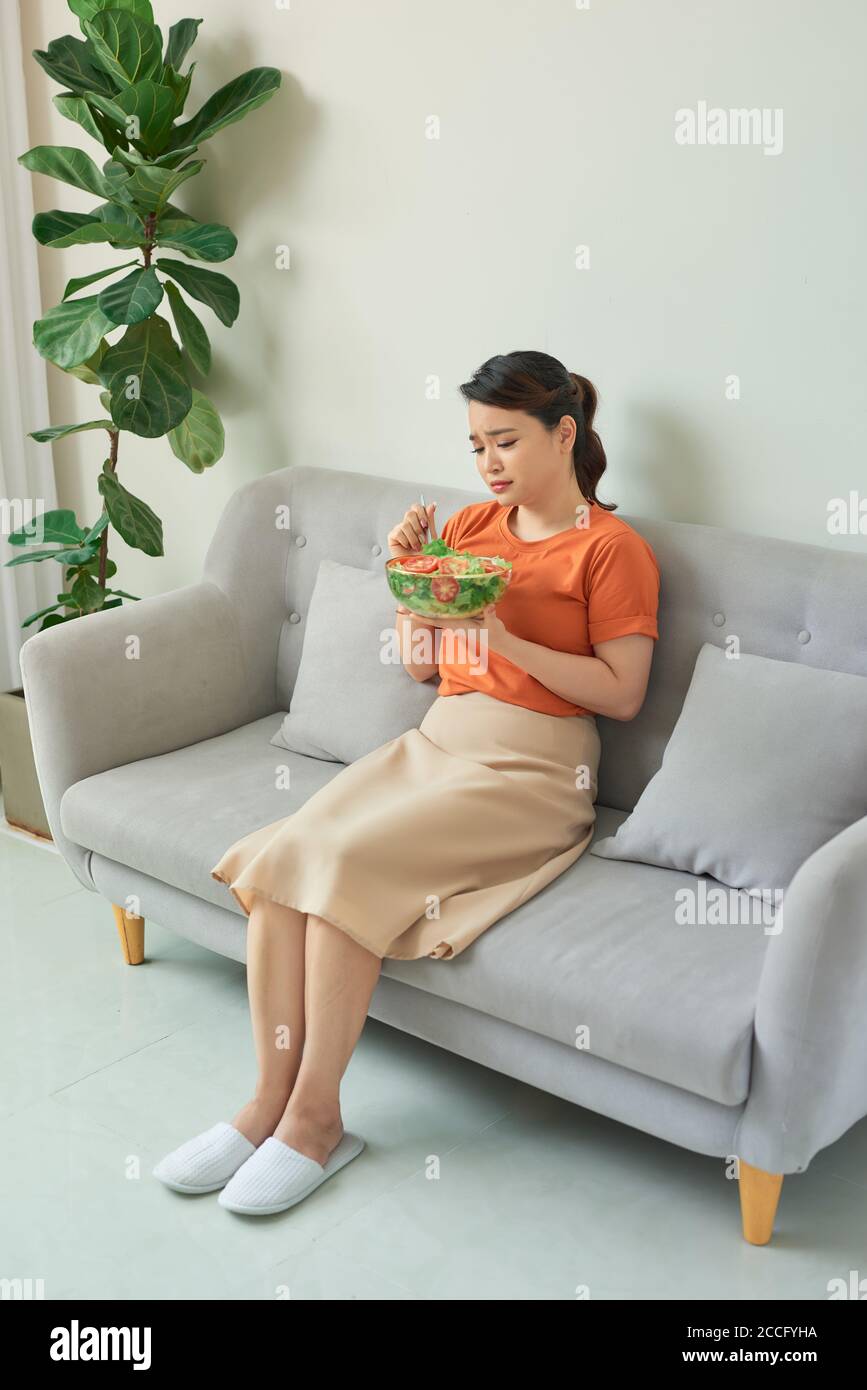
x=418 y=847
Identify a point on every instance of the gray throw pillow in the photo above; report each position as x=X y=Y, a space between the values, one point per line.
x=767 y=762
x=346 y=700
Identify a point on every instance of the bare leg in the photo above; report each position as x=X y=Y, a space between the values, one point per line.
x=340 y=977
x=275 y=985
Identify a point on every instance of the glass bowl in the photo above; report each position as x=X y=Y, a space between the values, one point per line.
x=436 y=586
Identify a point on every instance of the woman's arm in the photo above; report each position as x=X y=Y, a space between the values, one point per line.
x=408 y=625
x=612 y=682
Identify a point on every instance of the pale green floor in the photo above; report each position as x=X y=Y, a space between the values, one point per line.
x=106 y=1067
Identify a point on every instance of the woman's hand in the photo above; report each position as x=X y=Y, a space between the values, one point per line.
x=410 y=534
x=486 y=621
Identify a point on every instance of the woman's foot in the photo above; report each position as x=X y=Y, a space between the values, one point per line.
x=259 y=1117
x=313 y=1131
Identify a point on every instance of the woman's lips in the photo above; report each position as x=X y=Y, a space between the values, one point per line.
x=499 y=487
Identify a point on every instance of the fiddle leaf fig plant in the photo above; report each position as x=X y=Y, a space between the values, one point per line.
x=133 y=333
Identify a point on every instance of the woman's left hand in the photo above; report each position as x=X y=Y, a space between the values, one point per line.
x=486 y=621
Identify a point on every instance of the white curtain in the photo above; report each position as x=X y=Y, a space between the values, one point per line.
x=27 y=484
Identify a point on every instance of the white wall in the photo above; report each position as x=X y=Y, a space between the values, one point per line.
x=415 y=258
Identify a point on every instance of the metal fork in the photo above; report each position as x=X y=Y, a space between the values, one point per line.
x=433 y=525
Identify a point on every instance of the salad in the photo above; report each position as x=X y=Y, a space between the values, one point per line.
x=442 y=582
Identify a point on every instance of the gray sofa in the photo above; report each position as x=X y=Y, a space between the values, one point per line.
x=728 y=1041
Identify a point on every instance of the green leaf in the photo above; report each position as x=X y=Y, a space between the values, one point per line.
x=68 y=164
x=178 y=86
x=58 y=431
x=122 y=213
x=70 y=62
x=208 y=286
x=80 y=281
x=191 y=332
x=52 y=608
x=87 y=9
x=199 y=440
x=145 y=374
x=82 y=555
x=133 y=298
x=127 y=47
x=70 y=332
x=151 y=186
x=132 y=518
x=54 y=527
x=75 y=108
x=96 y=531
x=89 y=230
x=172 y=158
x=87 y=371
x=108 y=131
x=204 y=241
x=86 y=594
x=47 y=226
x=181 y=38
x=229 y=104
x=93 y=565
x=173 y=214
x=34 y=557
x=128 y=159
x=105 y=399
x=117 y=176
x=123 y=594
x=153 y=107
x=109 y=107
x=54 y=618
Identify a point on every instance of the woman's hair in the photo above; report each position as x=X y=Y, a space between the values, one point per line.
x=541 y=386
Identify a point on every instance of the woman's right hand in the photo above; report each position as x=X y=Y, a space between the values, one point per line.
x=410 y=534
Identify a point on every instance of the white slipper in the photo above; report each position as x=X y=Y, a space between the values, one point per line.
x=277 y=1176
x=206 y=1162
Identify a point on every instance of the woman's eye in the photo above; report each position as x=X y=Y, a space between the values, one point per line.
x=510 y=444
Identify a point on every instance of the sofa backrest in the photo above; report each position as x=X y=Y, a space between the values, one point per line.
x=782 y=599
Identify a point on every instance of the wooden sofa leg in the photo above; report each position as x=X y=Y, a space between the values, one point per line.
x=131 y=932
x=760 y=1193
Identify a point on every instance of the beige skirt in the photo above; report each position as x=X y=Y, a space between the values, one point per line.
x=419 y=846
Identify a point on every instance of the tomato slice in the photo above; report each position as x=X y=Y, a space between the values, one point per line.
x=420 y=564
x=454 y=564
x=444 y=588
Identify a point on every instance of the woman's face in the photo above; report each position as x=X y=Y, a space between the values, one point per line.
x=517 y=458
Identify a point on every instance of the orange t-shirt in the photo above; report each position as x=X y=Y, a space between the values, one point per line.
x=587 y=584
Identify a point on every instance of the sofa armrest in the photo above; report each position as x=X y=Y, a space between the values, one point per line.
x=130 y=683
x=809 y=1072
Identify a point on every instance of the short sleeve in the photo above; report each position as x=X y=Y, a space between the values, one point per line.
x=452 y=528
x=622 y=589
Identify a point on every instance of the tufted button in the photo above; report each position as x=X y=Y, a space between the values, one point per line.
x=294 y=617
x=376 y=550
x=300 y=540
x=803 y=635
x=719 y=619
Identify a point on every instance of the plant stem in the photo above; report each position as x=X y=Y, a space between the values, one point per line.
x=150 y=228
x=114 y=436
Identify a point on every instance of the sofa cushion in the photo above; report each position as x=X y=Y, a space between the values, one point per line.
x=599 y=947
x=766 y=763
x=348 y=698
x=174 y=815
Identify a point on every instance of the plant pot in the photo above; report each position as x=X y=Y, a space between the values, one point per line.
x=22 y=799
